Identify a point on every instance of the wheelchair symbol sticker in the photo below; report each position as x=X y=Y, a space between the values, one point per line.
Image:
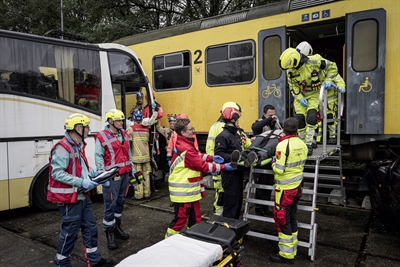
x=305 y=17
x=326 y=13
x=315 y=15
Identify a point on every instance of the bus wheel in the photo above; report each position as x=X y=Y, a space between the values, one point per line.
x=39 y=194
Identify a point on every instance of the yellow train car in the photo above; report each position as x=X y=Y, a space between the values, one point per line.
x=195 y=67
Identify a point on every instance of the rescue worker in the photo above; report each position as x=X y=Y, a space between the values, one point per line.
x=185 y=179
x=305 y=76
x=266 y=123
x=337 y=85
x=215 y=130
x=167 y=132
x=112 y=148
x=87 y=93
x=69 y=170
x=172 y=141
x=139 y=103
x=140 y=135
x=288 y=165
x=232 y=181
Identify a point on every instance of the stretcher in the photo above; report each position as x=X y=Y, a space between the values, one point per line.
x=262 y=163
x=212 y=243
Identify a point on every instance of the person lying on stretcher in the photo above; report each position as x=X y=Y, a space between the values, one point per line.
x=260 y=152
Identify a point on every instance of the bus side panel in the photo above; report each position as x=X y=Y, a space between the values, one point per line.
x=365 y=73
x=4 y=196
x=271 y=80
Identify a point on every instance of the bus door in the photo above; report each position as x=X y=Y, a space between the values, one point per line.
x=365 y=72
x=271 y=78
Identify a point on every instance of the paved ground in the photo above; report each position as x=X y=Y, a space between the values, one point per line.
x=346 y=236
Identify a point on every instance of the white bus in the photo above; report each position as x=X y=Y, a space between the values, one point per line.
x=38 y=90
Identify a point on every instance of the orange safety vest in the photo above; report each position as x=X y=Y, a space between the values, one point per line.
x=116 y=153
x=59 y=192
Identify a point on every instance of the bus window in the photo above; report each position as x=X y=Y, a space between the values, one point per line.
x=124 y=68
x=272 y=52
x=50 y=71
x=172 y=71
x=365 y=45
x=230 y=64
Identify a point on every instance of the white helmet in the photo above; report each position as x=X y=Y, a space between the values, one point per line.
x=305 y=48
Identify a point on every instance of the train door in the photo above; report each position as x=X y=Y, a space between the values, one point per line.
x=271 y=79
x=365 y=73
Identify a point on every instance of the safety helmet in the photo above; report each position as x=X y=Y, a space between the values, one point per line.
x=138 y=115
x=139 y=95
x=230 y=114
x=172 y=118
x=115 y=115
x=289 y=59
x=231 y=105
x=305 y=48
x=182 y=116
x=74 y=119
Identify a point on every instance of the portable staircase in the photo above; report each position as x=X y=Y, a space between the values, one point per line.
x=312 y=177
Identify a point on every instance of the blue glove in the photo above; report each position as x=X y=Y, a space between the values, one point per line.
x=327 y=85
x=304 y=102
x=153 y=104
x=89 y=184
x=106 y=184
x=228 y=167
x=273 y=159
x=218 y=159
x=341 y=90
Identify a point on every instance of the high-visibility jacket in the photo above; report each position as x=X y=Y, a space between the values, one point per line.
x=291 y=155
x=115 y=152
x=171 y=149
x=307 y=79
x=186 y=172
x=140 y=135
x=60 y=192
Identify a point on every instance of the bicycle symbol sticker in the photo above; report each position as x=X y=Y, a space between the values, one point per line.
x=271 y=90
x=365 y=86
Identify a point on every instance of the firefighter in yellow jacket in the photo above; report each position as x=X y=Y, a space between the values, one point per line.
x=215 y=130
x=185 y=179
x=305 y=76
x=288 y=165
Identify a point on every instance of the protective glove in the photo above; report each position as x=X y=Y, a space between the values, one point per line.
x=327 y=85
x=154 y=105
x=89 y=184
x=304 y=102
x=228 y=167
x=341 y=90
x=218 y=159
x=273 y=160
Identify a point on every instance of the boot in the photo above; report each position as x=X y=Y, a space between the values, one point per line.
x=251 y=158
x=310 y=150
x=119 y=233
x=235 y=158
x=275 y=257
x=332 y=141
x=110 y=239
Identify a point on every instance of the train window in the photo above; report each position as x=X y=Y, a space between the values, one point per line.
x=365 y=45
x=172 y=71
x=232 y=63
x=272 y=52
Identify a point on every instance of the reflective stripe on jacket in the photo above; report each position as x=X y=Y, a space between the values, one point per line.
x=140 y=135
x=115 y=152
x=291 y=155
x=59 y=192
x=184 y=183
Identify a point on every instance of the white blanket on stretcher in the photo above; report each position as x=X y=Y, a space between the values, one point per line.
x=177 y=250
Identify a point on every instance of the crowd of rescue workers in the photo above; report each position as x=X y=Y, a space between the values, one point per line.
x=282 y=148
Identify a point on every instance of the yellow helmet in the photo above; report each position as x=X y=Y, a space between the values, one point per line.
x=231 y=105
x=74 y=119
x=289 y=59
x=115 y=115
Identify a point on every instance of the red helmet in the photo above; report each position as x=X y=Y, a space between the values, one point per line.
x=182 y=116
x=230 y=114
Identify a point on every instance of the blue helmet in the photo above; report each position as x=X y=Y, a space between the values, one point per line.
x=138 y=115
x=172 y=118
x=139 y=95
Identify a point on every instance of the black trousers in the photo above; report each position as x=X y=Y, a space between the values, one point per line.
x=232 y=182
